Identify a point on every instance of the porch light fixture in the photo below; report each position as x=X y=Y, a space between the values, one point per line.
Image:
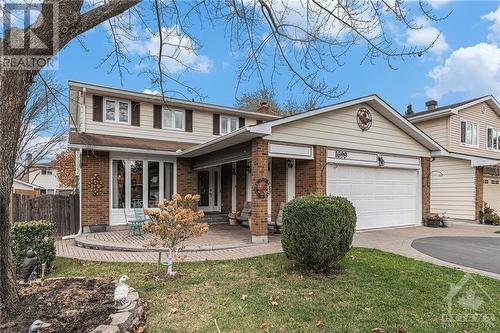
x=233 y=171
x=248 y=168
x=380 y=160
x=289 y=163
x=439 y=173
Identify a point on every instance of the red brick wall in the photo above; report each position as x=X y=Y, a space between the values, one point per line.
x=479 y=190
x=425 y=163
x=310 y=175
x=278 y=185
x=241 y=184
x=260 y=165
x=226 y=183
x=95 y=208
x=187 y=179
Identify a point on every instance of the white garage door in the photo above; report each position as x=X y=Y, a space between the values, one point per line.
x=382 y=197
x=491 y=192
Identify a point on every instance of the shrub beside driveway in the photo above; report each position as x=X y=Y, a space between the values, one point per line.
x=268 y=294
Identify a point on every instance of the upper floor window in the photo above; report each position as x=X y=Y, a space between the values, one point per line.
x=46 y=171
x=228 y=124
x=173 y=119
x=117 y=111
x=493 y=138
x=469 y=132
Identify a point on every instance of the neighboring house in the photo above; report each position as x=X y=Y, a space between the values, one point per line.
x=468 y=173
x=44 y=175
x=20 y=187
x=136 y=149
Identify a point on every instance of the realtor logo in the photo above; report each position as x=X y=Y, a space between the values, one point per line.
x=30 y=35
x=467 y=301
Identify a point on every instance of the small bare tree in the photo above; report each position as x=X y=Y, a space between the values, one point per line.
x=65 y=165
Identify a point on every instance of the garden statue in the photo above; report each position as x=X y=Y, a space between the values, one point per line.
x=37 y=325
x=28 y=269
x=121 y=292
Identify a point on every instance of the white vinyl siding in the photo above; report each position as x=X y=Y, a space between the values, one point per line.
x=202 y=126
x=437 y=129
x=340 y=129
x=453 y=189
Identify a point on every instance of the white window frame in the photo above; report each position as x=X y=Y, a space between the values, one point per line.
x=172 y=124
x=465 y=144
x=117 y=111
x=229 y=118
x=495 y=132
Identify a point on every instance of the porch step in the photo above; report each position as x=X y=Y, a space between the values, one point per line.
x=215 y=218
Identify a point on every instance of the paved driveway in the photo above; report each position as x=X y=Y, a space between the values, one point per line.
x=400 y=241
x=481 y=253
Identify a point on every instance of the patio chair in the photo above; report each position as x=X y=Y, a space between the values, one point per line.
x=134 y=224
x=276 y=225
x=245 y=214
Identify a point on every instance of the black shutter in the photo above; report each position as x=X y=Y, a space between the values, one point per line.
x=259 y=121
x=462 y=131
x=490 y=137
x=136 y=113
x=242 y=122
x=157 y=116
x=216 y=124
x=189 y=120
x=97 y=108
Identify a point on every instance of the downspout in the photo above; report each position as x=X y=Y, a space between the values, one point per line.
x=79 y=169
x=84 y=116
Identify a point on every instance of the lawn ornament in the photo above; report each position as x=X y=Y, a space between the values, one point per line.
x=121 y=292
x=37 y=325
x=28 y=269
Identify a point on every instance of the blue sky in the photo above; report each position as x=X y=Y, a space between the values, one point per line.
x=465 y=63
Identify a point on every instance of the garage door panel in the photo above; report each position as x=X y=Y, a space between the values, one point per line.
x=382 y=197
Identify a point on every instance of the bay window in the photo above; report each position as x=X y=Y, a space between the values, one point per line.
x=116 y=111
x=140 y=183
x=228 y=124
x=493 y=138
x=172 y=119
x=469 y=133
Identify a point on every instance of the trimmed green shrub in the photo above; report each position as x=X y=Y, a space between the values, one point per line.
x=33 y=235
x=492 y=219
x=317 y=230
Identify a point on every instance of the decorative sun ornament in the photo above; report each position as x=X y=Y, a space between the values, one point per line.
x=96 y=185
x=364 y=119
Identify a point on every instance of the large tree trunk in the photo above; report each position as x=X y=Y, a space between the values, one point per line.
x=14 y=87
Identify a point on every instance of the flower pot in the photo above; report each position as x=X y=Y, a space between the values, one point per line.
x=433 y=223
x=97 y=227
x=233 y=221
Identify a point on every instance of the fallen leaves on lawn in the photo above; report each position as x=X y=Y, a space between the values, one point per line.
x=402 y=329
x=263 y=325
x=274 y=300
x=320 y=323
x=244 y=297
x=378 y=330
x=172 y=311
x=310 y=293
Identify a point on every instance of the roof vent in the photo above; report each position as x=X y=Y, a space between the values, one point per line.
x=431 y=105
x=263 y=103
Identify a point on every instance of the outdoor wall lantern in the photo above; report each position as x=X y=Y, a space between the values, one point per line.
x=380 y=160
x=289 y=163
x=233 y=171
x=248 y=168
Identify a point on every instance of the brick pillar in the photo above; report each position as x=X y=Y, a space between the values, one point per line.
x=479 y=190
x=187 y=178
x=260 y=165
x=310 y=175
x=425 y=163
x=95 y=208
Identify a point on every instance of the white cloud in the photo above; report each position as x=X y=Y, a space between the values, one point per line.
x=178 y=53
x=425 y=36
x=436 y=4
x=494 y=35
x=472 y=70
x=151 y=92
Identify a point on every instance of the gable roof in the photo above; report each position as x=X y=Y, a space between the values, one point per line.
x=261 y=130
x=447 y=110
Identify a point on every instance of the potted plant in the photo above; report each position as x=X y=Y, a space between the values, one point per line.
x=97 y=227
x=433 y=220
x=232 y=218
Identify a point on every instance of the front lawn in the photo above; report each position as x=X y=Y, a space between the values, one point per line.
x=377 y=289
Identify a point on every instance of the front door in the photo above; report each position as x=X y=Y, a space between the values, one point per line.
x=209 y=189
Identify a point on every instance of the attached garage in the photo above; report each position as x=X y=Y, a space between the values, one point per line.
x=385 y=190
x=491 y=192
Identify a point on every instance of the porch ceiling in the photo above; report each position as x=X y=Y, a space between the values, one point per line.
x=239 y=152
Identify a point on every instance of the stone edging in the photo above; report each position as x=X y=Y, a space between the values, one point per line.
x=125 y=318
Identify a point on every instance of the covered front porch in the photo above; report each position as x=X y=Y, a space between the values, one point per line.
x=228 y=172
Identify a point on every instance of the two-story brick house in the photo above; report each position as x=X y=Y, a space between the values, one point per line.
x=139 y=149
x=467 y=174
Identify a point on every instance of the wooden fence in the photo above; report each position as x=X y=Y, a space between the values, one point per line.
x=62 y=210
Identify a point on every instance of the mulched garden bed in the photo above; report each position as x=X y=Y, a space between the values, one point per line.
x=68 y=305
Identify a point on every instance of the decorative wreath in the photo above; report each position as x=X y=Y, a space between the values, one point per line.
x=262 y=188
x=95 y=185
x=364 y=119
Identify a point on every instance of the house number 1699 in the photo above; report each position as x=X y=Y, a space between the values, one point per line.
x=342 y=154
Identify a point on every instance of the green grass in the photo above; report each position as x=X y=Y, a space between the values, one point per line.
x=377 y=289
